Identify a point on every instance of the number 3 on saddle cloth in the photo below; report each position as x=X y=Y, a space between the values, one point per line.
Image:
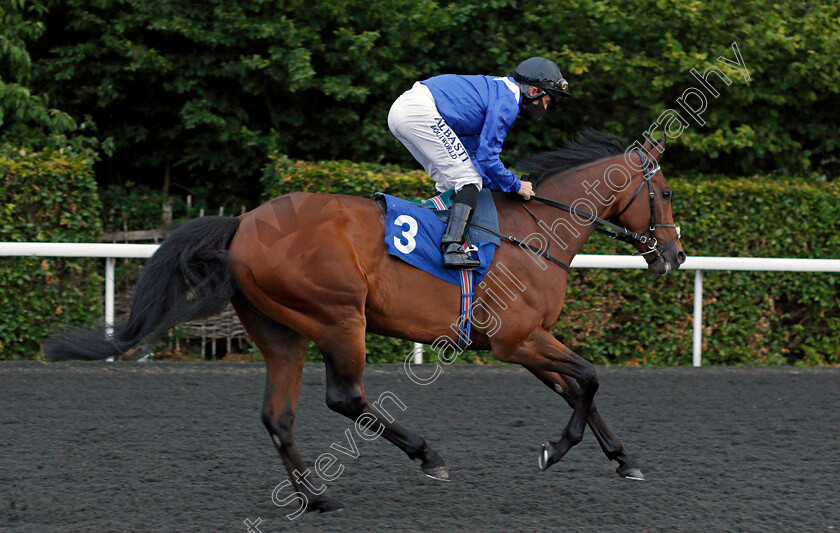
x=413 y=234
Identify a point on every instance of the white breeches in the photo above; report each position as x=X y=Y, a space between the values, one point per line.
x=416 y=122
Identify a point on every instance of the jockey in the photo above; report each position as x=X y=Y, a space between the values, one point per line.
x=455 y=126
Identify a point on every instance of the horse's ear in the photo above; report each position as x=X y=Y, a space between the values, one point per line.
x=655 y=151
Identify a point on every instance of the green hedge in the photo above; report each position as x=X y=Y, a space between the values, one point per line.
x=46 y=196
x=284 y=175
x=203 y=91
x=748 y=317
x=625 y=317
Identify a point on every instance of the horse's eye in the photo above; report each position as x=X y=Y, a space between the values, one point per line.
x=666 y=195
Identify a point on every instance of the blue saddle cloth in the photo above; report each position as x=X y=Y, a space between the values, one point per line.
x=413 y=234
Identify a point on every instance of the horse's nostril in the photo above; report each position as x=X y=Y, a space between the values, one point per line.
x=681 y=257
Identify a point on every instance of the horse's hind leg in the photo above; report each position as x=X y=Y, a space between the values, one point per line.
x=344 y=355
x=284 y=351
x=568 y=388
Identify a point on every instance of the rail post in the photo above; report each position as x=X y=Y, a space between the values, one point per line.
x=109 y=296
x=698 y=317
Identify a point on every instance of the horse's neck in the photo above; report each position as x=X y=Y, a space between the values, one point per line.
x=567 y=188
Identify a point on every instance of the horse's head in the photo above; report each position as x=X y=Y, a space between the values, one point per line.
x=644 y=206
x=638 y=210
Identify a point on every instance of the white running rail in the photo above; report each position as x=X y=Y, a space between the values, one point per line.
x=699 y=264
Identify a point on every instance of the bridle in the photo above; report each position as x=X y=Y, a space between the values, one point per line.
x=615 y=231
x=650 y=170
x=618 y=232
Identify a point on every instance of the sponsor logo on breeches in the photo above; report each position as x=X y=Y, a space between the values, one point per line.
x=450 y=141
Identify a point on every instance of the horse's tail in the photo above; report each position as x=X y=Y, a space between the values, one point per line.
x=187 y=278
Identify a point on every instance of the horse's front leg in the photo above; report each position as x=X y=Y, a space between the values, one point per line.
x=569 y=390
x=542 y=352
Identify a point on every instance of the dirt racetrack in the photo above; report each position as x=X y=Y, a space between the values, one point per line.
x=180 y=447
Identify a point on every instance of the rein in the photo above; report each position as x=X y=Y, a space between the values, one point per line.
x=618 y=232
x=615 y=231
x=514 y=240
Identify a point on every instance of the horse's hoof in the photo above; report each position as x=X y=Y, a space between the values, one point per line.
x=440 y=473
x=546 y=458
x=631 y=473
x=324 y=505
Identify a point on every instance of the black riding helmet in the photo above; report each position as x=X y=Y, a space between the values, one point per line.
x=543 y=73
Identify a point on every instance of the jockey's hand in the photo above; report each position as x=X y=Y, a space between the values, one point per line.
x=526 y=190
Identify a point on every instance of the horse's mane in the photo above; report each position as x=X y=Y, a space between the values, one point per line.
x=591 y=145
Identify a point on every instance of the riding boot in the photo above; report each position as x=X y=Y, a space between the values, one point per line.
x=451 y=245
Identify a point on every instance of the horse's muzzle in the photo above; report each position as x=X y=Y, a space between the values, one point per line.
x=659 y=267
x=666 y=262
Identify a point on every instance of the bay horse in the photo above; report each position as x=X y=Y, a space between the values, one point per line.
x=313 y=267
